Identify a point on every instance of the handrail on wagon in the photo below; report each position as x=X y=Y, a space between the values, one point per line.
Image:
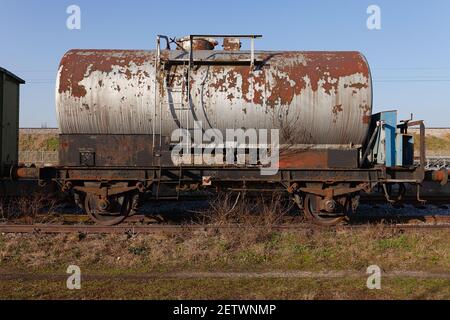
x=252 y=38
x=191 y=60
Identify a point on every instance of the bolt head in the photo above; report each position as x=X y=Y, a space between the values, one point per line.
x=330 y=205
x=103 y=204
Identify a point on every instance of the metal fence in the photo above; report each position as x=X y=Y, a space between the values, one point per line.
x=39 y=158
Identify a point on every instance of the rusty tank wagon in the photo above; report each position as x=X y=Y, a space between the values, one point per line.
x=117 y=111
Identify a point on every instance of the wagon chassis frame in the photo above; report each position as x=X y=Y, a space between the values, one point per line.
x=232 y=178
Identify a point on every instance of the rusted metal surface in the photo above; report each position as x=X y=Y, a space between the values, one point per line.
x=440 y=176
x=197 y=44
x=105 y=91
x=231 y=44
x=218 y=176
x=26 y=173
x=318 y=159
x=321 y=98
x=105 y=150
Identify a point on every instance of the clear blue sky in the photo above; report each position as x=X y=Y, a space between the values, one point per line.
x=409 y=56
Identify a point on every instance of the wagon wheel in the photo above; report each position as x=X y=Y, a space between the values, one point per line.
x=110 y=211
x=314 y=214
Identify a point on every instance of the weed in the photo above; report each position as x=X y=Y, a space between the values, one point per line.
x=28 y=207
x=138 y=250
x=398 y=242
x=235 y=208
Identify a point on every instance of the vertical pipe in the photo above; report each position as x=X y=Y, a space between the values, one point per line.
x=252 y=41
x=191 y=62
x=156 y=91
x=422 y=145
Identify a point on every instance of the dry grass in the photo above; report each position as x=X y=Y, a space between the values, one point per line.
x=256 y=215
x=27 y=207
x=218 y=251
x=242 y=250
x=235 y=208
x=256 y=247
x=435 y=145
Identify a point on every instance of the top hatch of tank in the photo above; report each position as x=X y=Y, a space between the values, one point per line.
x=197 y=43
x=210 y=42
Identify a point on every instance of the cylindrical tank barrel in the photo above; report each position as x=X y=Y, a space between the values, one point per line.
x=313 y=98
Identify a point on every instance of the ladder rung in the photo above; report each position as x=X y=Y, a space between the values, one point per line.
x=168 y=198
x=213 y=61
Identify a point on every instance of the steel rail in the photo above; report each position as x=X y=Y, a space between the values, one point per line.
x=157 y=229
x=287 y=220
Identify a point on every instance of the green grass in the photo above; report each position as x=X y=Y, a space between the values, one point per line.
x=402 y=242
x=38 y=142
x=52 y=144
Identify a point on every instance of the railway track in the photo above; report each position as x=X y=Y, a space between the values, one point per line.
x=436 y=200
x=413 y=222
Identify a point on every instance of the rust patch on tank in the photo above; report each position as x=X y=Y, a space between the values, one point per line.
x=231 y=44
x=77 y=65
x=366 y=119
x=238 y=82
x=358 y=85
x=323 y=67
x=197 y=44
x=337 y=108
x=250 y=83
x=367 y=111
x=219 y=80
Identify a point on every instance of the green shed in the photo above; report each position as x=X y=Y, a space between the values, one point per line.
x=9 y=119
